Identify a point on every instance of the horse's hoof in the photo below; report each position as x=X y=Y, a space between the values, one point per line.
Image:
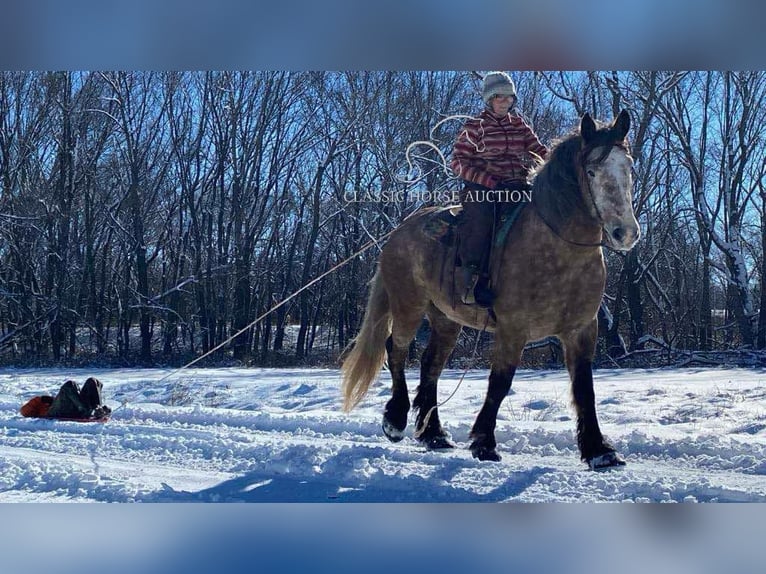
x=392 y=433
x=438 y=442
x=606 y=460
x=484 y=453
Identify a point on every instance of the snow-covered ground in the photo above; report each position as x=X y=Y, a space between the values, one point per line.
x=277 y=435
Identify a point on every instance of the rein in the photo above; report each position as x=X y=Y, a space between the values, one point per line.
x=564 y=239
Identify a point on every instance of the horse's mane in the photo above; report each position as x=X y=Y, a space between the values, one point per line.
x=556 y=187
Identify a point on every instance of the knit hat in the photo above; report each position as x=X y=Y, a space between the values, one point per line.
x=497 y=83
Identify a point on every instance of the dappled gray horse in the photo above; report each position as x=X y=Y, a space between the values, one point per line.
x=549 y=278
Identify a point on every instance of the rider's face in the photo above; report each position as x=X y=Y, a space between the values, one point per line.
x=501 y=103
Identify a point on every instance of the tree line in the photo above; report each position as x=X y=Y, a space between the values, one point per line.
x=151 y=216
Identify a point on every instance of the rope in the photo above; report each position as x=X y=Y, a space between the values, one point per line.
x=365 y=247
x=283 y=302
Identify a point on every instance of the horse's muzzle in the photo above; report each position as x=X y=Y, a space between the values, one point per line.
x=622 y=237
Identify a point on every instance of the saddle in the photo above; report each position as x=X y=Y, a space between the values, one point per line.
x=443 y=225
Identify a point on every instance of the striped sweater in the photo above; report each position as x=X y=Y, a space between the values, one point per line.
x=490 y=149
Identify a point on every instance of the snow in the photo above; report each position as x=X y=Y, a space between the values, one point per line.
x=279 y=435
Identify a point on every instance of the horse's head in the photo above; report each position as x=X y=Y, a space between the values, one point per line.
x=606 y=180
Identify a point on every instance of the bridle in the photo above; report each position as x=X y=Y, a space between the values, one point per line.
x=583 y=175
x=583 y=181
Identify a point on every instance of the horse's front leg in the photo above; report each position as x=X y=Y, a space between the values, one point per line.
x=483 y=431
x=507 y=355
x=579 y=349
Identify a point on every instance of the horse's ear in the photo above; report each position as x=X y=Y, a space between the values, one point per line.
x=587 y=127
x=621 y=125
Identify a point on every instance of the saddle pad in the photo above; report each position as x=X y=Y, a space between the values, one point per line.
x=441 y=226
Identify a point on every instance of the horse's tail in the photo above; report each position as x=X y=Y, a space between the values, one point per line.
x=366 y=354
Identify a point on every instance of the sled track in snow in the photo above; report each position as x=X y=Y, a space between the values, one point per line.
x=285 y=439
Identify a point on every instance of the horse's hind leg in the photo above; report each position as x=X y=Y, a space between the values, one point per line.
x=579 y=347
x=404 y=325
x=444 y=334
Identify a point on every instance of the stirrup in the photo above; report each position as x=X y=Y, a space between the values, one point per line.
x=468 y=297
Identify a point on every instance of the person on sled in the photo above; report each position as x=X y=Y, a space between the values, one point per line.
x=70 y=403
x=493 y=152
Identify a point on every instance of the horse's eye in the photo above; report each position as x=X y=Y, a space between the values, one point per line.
x=591 y=173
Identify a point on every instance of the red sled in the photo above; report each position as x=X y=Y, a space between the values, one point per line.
x=37 y=408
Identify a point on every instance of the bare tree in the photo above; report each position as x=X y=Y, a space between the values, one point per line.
x=140 y=116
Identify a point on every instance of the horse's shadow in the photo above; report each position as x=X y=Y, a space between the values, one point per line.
x=343 y=485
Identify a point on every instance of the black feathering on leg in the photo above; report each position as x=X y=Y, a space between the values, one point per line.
x=483 y=431
x=395 y=417
x=589 y=438
x=428 y=427
x=398 y=406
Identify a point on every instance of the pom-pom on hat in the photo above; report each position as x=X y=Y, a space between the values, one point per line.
x=497 y=83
